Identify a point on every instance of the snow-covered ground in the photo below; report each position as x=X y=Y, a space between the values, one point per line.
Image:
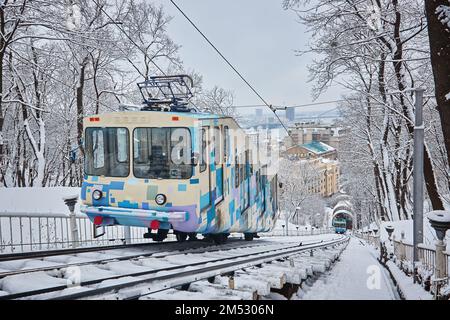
x=56 y=273
x=356 y=276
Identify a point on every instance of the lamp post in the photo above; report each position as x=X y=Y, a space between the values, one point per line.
x=389 y=229
x=70 y=202
x=297 y=214
x=375 y=231
x=440 y=221
x=418 y=178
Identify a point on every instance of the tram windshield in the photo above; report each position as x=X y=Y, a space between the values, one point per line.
x=340 y=223
x=107 y=152
x=162 y=153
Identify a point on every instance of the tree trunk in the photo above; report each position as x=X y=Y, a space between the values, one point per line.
x=439 y=36
x=80 y=115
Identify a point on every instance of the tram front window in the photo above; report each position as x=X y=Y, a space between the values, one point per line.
x=107 y=152
x=162 y=153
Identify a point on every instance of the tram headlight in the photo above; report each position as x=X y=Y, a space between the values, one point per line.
x=97 y=194
x=160 y=199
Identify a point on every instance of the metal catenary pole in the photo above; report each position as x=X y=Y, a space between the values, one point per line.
x=418 y=178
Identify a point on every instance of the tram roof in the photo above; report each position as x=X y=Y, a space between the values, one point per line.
x=193 y=115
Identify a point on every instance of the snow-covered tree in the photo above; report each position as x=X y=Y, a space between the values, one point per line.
x=298 y=179
x=378 y=50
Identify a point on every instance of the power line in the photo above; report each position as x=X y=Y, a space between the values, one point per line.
x=229 y=63
x=133 y=42
x=128 y=36
x=288 y=106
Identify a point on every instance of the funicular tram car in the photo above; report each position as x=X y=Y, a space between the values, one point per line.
x=166 y=167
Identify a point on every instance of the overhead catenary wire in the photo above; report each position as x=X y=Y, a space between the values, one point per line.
x=230 y=64
x=133 y=42
x=128 y=36
x=291 y=106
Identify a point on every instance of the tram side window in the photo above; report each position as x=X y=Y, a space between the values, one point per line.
x=98 y=149
x=226 y=143
x=162 y=153
x=217 y=146
x=242 y=169
x=107 y=152
x=236 y=171
x=248 y=166
x=273 y=194
x=263 y=187
x=258 y=183
x=122 y=145
x=203 y=151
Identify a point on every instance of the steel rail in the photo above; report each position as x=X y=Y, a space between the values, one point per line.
x=133 y=257
x=249 y=260
x=72 y=251
x=225 y=269
x=142 y=273
x=59 y=252
x=293 y=249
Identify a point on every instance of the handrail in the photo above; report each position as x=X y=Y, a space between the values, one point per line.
x=403 y=251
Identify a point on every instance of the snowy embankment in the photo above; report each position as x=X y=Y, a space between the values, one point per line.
x=406 y=286
x=45 y=201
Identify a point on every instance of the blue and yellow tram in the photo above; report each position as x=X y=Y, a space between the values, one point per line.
x=187 y=171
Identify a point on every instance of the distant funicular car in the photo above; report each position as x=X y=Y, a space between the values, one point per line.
x=340 y=225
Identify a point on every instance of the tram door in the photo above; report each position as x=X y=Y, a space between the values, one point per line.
x=205 y=169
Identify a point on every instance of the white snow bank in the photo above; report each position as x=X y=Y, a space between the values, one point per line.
x=37 y=200
x=409 y=289
x=30 y=281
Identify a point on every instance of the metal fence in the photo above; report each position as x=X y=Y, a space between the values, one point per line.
x=20 y=232
x=293 y=233
x=403 y=251
x=31 y=231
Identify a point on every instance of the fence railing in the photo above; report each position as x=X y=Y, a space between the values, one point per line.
x=21 y=231
x=32 y=231
x=404 y=251
x=293 y=233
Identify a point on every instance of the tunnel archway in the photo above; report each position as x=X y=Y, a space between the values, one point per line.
x=343 y=210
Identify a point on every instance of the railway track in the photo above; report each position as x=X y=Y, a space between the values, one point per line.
x=146 y=275
x=119 y=256
x=73 y=251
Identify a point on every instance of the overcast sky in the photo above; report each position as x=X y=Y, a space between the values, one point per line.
x=258 y=37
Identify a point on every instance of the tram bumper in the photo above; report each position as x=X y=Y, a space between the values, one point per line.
x=102 y=215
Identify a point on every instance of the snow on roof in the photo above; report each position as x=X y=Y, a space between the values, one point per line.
x=325 y=160
x=317 y=147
